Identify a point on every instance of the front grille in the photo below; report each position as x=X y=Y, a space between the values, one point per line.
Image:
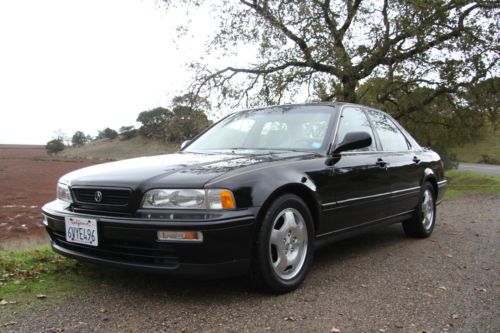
x=124 y=251
x=110 y=197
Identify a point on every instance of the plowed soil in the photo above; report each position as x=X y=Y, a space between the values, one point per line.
x=28 y=177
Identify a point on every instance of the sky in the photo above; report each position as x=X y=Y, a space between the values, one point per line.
x=85 y=65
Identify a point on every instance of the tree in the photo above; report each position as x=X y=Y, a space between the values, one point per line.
x=330 y=47
x=186 y=118
x=485 y=97
x=107 y=133
x=54 y=146
x=127 y=132
x=439 y=123
x=153 y=122
x=60 y=135
x=78 y=139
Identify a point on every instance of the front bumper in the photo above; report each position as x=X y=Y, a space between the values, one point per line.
x=132 y=243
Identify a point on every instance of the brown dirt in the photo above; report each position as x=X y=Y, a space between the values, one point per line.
x=28 y=177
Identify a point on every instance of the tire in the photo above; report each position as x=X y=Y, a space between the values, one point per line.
x=284 y=246
x=422 y=223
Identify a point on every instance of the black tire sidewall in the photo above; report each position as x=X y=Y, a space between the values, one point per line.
x=273 y=281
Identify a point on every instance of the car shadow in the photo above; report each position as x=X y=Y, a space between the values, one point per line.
x=153 y=285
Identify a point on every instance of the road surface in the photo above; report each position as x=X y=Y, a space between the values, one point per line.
x=485 y=169
x=379 y=282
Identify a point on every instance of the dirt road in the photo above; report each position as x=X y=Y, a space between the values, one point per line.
x=379 y=282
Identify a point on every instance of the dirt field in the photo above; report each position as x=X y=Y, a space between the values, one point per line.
x=28 y=178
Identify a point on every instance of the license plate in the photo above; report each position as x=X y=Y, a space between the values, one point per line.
x=81 y=231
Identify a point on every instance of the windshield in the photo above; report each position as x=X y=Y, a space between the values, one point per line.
x=278 y=128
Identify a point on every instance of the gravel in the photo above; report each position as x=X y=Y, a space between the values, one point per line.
x=378 y=282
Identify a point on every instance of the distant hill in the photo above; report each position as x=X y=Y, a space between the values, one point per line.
x=475 y=152
x=117 y=149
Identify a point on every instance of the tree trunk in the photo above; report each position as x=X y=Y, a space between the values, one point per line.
x=348 y=93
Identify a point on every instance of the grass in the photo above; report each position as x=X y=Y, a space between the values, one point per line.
x=120 y=149
x=36 y=278
x=474 y=152
x=463 y=183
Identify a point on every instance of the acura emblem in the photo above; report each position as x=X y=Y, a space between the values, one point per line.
x=98 y=196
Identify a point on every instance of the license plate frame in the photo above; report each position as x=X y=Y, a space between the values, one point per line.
x=81 y=231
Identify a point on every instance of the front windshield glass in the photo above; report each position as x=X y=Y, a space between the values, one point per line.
x=279 y=128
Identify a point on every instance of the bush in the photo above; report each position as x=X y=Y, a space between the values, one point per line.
x=54 y=146
x=487 y=159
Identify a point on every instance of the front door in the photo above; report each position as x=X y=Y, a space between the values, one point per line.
x=358 y=180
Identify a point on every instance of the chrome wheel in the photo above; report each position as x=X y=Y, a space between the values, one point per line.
x=288 y=243
x=427 y=209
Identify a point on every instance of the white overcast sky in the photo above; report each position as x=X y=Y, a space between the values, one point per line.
x=86 y=65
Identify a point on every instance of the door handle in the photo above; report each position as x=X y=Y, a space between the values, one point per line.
x=381 y=163
x=416 y=159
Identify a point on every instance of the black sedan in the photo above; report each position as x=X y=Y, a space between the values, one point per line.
x=254 y=194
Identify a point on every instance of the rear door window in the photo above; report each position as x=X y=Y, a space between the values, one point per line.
x=389 y=134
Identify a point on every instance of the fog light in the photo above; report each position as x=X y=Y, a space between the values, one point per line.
x=45 y=221
x=180 y=236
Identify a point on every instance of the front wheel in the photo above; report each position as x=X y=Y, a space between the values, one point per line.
x=284 y=247
x=422 y=223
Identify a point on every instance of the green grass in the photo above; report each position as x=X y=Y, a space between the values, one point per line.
x=36 y=278
x=462 y=183
x=120 y=149
x=474 y=152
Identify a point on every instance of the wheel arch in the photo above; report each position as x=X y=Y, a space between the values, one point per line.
x=299 y=190
x=430 y=177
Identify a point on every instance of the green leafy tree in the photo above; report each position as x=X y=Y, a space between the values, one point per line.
x=127 y=132
x=439 y=123
x=153 y=123
x=329 y=47
x=187 y=118
x=78 y=139
x=54 y=146
x=107 y=133
x=485 y=97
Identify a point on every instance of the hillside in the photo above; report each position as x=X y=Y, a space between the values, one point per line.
x=474 y=152
x=139 y=146
x=117 y=149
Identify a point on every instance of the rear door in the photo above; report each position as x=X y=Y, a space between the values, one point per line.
x=402 y=162
x=358 y=179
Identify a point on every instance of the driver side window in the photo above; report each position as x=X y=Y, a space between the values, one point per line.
x=353 y=119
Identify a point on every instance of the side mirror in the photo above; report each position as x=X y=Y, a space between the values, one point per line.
x=353 y=140
x=185 y=143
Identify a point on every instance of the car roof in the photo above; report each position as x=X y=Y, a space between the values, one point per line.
x=331 y=104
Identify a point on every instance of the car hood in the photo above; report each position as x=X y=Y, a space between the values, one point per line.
x=180 y=170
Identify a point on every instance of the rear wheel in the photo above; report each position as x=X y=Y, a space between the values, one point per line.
x=284 y=247
x=422 y=223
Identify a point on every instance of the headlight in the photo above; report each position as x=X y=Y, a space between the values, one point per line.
x=189 y=199
x=63 y=193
